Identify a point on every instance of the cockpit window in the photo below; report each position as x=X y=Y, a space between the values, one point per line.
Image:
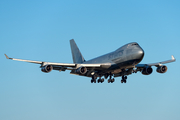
x=134 y=44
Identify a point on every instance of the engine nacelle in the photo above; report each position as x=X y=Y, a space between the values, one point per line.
x=161 y=69
x=147 y=71
x=81 y=70
x=46 y=68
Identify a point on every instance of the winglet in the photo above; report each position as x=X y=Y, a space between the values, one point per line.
x=7 y=57
x=173 y=58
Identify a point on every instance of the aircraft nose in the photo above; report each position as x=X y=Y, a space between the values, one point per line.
x=141 y=53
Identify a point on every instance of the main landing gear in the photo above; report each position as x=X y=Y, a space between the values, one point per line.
x=93 y=80
x=110 y=79
x=101 y=80
x=123 y=79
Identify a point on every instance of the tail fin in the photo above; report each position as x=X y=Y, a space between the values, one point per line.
x=76 y=54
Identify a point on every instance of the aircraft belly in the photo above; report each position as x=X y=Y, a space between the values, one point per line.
x=124 y=64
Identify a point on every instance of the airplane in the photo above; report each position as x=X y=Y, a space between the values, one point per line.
x=119 y=63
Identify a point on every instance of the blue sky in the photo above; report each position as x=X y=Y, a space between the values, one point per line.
x=41 y=30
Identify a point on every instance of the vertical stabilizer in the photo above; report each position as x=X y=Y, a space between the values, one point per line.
x=76 y=54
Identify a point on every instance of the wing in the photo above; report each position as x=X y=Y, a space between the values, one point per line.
x=140 y=67
x=62 y=66
x=156 y=64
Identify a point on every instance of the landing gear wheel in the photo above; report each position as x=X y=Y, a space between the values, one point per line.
x=92 y=81
x=109 y=80
x=123 y=81
x=102 y=80
x=99 y=80
x=112 y=80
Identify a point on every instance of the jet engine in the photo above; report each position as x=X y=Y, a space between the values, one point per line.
x=46 y=68
x=81 y=70
x=161 y=69
x=147 y=71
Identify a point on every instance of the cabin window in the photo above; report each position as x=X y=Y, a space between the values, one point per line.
x=120 y=53
x=110 y=56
